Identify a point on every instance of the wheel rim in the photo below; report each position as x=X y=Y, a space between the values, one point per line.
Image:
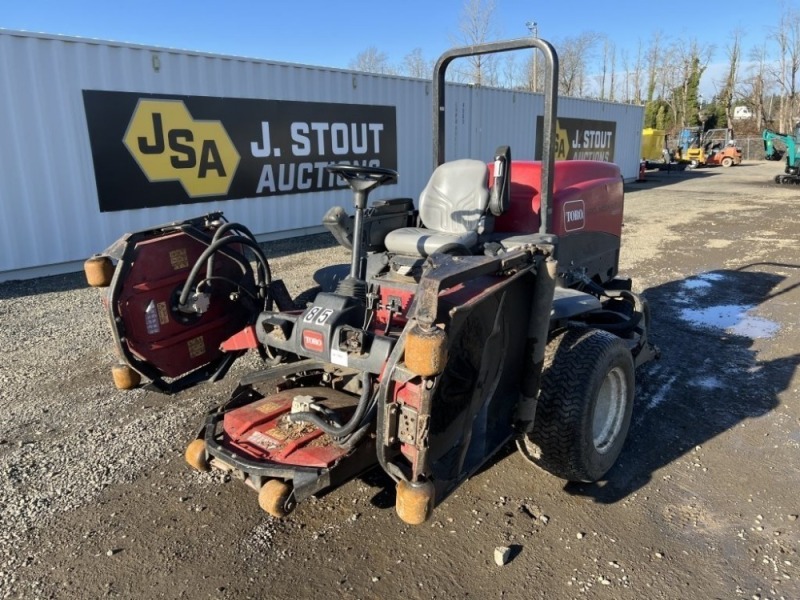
x=609 y=410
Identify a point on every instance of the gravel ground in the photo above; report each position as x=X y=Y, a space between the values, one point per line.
x=95 y=499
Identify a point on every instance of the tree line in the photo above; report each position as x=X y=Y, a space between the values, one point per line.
x=662 y=73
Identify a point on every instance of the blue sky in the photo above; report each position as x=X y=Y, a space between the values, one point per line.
x=332 y=33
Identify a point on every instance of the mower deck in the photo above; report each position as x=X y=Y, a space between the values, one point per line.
x=256 y=442
x=263 y=430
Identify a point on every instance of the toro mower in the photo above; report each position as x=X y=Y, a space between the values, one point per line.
x=490 y=312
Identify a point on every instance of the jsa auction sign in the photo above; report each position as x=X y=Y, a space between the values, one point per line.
x=155 y=150
x=580 y=139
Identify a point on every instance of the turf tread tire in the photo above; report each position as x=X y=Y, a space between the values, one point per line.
x=561 y=440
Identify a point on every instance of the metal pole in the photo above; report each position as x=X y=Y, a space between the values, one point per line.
x=533 y=27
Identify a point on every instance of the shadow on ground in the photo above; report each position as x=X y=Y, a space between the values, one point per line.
x=710 y=377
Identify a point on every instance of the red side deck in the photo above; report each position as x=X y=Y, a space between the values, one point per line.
x=587 y=196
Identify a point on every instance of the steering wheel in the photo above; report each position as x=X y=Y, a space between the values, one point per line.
x=359 y=177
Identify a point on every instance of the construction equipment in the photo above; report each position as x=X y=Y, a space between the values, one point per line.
x=654 y=146
x=688 y=137
x=717 y=147
x=791 y=173
x=771 y=142
x=491 y=312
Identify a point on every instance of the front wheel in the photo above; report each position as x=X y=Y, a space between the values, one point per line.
x=585 y=405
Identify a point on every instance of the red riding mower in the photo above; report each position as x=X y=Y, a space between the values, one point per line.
x=492 y=313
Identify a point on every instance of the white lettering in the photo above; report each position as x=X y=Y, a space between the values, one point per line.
x=575 y=215
x=339 y=141
x=320 y=128
x=286 y=177
x=359 y=148
x=265 y=149
x=300 y=177
x=267 y=180
x=304 y=171
x=596 y=139
x=302 y=147
x=376 y=129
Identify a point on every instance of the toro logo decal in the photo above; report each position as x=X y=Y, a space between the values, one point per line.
x=313 y=341
x=574 y=215
x=169 y=145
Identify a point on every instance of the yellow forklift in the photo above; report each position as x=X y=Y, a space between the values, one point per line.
x=717 y=148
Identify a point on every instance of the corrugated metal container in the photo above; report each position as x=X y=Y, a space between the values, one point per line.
x=51 y=218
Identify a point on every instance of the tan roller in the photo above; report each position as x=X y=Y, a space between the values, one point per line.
x=426 y=351
x=273 y=498
x=124 y=377
x=196 y=456
x=99 y=271
x=414 y=501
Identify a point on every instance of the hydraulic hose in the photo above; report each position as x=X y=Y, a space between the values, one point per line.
x=214 y=247
x=264 y=268
x=349 y=427
x=352 y=440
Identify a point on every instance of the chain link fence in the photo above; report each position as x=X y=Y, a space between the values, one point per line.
x=752 y=148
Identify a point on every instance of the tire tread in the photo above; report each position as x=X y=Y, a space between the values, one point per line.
x=569 y=363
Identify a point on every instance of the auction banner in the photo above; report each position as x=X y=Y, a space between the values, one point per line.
x=155 y=150
x=580 y=139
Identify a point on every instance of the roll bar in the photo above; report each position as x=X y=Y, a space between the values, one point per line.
x=550 y=109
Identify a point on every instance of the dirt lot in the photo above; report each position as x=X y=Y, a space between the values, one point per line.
x=96 y=501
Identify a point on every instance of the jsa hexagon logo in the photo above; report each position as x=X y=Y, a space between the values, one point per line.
x=562 y=143
x=170 y=145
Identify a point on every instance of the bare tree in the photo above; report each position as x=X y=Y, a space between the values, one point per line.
x=416 y=65
x=787 y=37
x=510 y=71
x=476 y=26
x=574 y=55
x=612 y=84
x=606 y=70
x=626 y=91
x=756 y=85
x=372 y=60
x=728 y=92
x=637 y=75
x=693 y=61
x=670 y=76
x=533 y=73
x=653 y=55
x=668 y=69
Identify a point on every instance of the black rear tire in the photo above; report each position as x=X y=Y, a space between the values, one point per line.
x=585 y=405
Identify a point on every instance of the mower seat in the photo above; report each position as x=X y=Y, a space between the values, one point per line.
x=451 y=207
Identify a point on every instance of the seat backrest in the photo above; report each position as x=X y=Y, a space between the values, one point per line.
x=456 y=196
